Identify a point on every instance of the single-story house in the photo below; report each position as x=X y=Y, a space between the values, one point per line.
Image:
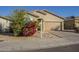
x=71 y=22
x=4 y=24
x=50 y=20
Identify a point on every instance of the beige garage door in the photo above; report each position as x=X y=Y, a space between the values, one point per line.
x=49 y=26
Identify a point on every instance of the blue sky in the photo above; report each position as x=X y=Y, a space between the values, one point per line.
x=59 y=10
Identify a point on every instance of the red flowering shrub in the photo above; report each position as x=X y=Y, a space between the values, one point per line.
x=29 y=29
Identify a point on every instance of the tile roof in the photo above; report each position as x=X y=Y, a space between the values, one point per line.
x=6 y=18
x=53 y=14
x=32 y=14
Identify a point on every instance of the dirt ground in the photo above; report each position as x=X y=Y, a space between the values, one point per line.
x=35 y=36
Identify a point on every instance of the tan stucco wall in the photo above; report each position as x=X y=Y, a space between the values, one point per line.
x=4 y=24
x=50 y=22
x=77 y=23
x=48 y=17
x=69 y=24
x=50 y=26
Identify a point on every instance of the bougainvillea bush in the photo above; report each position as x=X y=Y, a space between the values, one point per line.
x=29 y=29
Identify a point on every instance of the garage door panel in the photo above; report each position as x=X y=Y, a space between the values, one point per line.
x=49 y=26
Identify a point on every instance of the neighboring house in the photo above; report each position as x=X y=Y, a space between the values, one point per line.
x=50 y=21
x=71 y=23
x=4 y=24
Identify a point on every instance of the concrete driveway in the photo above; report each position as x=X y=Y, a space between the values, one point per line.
x=49 y=40
x=70 y=36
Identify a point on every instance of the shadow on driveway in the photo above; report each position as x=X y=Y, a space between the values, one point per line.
x=70 y=48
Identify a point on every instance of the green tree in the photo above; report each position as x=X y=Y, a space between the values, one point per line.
x=19 y=19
